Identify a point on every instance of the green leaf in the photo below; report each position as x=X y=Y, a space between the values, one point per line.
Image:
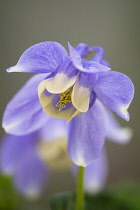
x=8 y=197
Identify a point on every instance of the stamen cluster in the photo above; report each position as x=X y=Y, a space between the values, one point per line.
x=65 y=98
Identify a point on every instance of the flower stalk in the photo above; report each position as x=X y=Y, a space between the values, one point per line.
x=80 y=189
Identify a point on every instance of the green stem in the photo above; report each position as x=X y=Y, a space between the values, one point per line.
x=80 y=189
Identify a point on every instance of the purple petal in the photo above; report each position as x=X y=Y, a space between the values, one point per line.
x=87 y=80
x=75 y=57
x=115 y=132
x=23 y=113
x=14 y=149
x=96 y=174
x=54 y=129
x=99 y=55
x=87 y=134
x=85 y=66
x=116 y=91
x=105 y=63
x=31 y=176
x=67 y=68
x=44 y=57
x=82 y=49
x=93 y=67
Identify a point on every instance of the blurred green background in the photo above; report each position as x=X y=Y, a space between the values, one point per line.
x=112 y=24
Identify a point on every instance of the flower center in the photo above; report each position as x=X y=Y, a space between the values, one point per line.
x=65 y=98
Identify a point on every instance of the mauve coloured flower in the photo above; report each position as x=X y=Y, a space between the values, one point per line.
x=31 y=158
x=68 y=88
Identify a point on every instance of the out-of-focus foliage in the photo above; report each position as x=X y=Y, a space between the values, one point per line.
x=129 y=193
x=123 y=197
x=63 y=201
x=9 y=199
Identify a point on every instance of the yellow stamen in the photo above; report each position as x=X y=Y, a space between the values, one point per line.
x=65 y=98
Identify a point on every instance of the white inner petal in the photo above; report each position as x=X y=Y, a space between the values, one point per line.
x=80 y=97
x=42 y=96
x=59 y=83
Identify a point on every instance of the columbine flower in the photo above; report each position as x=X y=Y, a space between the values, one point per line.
x=31 y=158
x=73 y=83
x=67 y=88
